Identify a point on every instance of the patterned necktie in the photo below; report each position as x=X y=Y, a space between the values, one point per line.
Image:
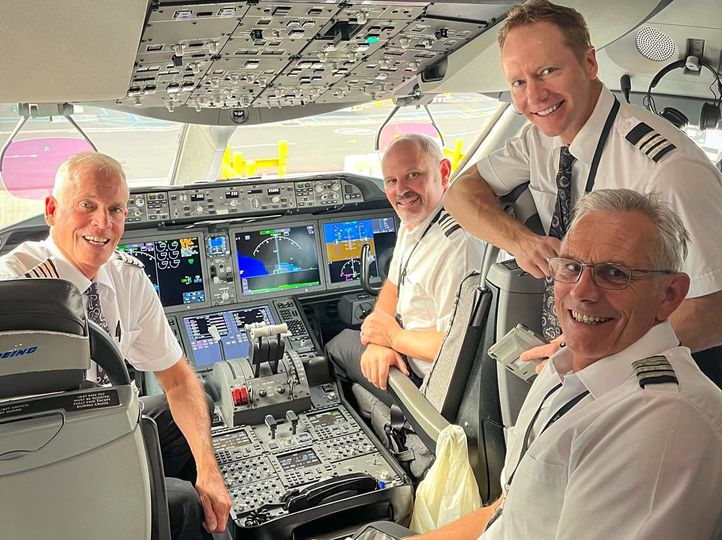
x=557 y=229
x=95 y=314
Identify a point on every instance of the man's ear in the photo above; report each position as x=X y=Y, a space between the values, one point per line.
x=445 y=171
x=51 y=207
x=673 y=293
x=590 y=64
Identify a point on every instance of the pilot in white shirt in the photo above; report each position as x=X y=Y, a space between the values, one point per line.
x=620 y=436
x=130 y=304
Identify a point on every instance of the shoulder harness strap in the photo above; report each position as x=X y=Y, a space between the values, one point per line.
x=649 y=142
x=123 y=257
x=654 y=370
x=45 y=269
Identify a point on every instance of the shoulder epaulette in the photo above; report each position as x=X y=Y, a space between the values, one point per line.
x=649 y=142
x=654 y=370
x=447 y=223
x=45 y=269
x=122 y=256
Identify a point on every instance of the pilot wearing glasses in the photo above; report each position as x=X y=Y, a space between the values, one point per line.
x=620 y=436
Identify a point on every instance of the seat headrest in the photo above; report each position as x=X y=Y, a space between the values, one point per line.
x=44 y=344
x=53 y=305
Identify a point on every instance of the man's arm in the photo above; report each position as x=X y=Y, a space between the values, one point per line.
x=387 y=299
x=382 y=329
x=475 y=206
x=469 y=527
x=187 y=404
x=697 y=322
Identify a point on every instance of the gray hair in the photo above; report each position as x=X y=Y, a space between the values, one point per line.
x=426 y=143
x=670 y=247
x=70 y=169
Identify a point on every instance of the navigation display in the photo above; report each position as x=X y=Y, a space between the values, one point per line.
x=231 y=327
x=174 y=267
x=277 y=260
x=343 y=241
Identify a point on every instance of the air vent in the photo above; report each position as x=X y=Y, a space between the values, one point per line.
x=655 y=45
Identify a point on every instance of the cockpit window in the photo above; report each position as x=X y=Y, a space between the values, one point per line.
x=338 y=141
x=709 y=140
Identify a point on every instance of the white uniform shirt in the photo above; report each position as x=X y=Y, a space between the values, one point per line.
x=625 y=462
x=684 y=176
x=127 y=298
x=433 y=272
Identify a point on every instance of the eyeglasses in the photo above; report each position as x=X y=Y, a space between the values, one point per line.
x=605 y=275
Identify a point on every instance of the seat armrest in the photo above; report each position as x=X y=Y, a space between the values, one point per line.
x=426 y=421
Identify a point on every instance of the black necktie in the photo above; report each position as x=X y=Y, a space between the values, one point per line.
x=557 y=229
x=95 y=314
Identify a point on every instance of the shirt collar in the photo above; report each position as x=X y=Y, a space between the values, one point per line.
x=419 y=229
x=585 y=142
x=609 y=372
x=68 y=271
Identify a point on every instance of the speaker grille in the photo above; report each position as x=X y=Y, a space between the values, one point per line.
x=655 y=45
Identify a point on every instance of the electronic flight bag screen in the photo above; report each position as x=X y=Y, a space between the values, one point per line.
x=278 y=259
x=343 y=241
x=231 y=327
x=173 y=266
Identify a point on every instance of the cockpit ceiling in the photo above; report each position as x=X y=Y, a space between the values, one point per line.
x=286 y=54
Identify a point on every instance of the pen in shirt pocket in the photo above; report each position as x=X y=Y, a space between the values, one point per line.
x=118 y=333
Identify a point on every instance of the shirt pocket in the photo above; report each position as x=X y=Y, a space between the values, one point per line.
x=537 y=492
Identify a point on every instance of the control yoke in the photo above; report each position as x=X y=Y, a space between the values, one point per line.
x=367 y=259
x=266 y=345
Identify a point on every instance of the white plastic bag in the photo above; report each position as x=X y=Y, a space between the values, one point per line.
x=449 y=490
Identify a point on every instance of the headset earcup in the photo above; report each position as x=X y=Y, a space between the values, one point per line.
x=709 y=116
x=677 y=118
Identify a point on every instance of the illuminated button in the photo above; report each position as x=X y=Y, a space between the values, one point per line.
x=236 y=394
x=243 y=392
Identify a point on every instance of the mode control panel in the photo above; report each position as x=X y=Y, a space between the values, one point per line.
x=220 y=269
x=147 y=207
x=319 y=193
x=244 y=198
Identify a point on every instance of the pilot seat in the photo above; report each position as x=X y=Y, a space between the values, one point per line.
x=75 y=462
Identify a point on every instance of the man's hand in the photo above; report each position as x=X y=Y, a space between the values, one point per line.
x=215 y=500
x=542 y=351
x=379 y=328
x=533 y=251
x=375 y=364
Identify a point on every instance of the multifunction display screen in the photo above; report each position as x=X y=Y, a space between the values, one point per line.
x=344 y=239
x=302 y=459
x=174 y=266
x=277 y=260
x=326 y=418
x=231 y=327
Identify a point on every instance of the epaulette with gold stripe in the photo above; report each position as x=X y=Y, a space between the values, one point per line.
x=128 y=259
x=649 y=142
x=654 y=370
x=45 y=269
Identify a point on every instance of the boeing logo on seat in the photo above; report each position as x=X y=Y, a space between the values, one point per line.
x=18 y=352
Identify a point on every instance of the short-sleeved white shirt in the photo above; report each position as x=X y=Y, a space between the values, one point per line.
x=684 y=176
x=434 y=270
x=127 y=298
x=626 y=461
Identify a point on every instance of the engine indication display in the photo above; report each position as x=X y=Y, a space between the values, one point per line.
x=173 y=266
